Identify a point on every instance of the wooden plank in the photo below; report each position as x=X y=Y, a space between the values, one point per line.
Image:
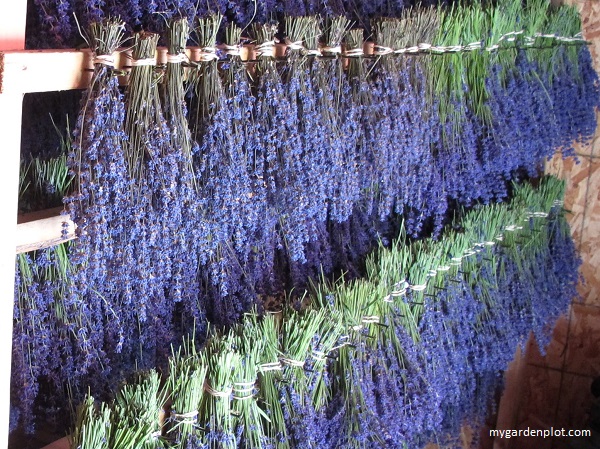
x=44 y=70
x=42 y=230
x=12 y=37
x=38 y=215
x=51 y=70
x=10 y=130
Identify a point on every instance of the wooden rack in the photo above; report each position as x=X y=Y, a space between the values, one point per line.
x=28 y=71
x=23 y=71
x=12 y=37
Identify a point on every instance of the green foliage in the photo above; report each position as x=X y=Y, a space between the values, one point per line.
x=44 y=182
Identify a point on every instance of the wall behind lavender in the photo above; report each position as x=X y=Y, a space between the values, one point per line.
x=554 y=390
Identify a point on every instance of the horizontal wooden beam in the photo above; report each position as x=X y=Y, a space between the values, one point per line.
x=51 y=70
x=44 y=229
x=43 y=71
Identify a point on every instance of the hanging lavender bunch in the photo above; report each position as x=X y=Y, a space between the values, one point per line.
x=564 y=260
x=407 y=129
x=156 y=201
x=354 y=382
x=42 y=343
x=142 y=114
x=273 y=127
x=183 y=203
x=187 y=374
x=447 y=329
x=314 y=84
x=460 y=97
x=135 y=413
x=231 y=174
x=204 y=77
x=291 y=178
x=173 y=92
x=365 y=105
x=249 y=416
x=299 y=331
x=574 y=95
x=589 y=93
x=92 y=424
x=269 y=382
x=330 y=87
x=524 y=140
x=354 y=356
x=210 y=112
x=457 y=155
x=98 y=206
x=415 y=188
x=518 y=139
x=268 y=130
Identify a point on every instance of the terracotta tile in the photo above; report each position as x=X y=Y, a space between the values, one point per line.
x=574 y=403
x=539 y=396
x=583 y=348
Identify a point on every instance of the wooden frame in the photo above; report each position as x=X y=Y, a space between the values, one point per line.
x=52 y=70
x=26 y=72
x=12 y=37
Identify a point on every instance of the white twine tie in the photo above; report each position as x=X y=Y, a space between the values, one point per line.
x=143 y=62
x=107 y=60
x=176 y=59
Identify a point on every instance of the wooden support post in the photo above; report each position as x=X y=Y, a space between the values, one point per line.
x=10 y=130
x=12 y=37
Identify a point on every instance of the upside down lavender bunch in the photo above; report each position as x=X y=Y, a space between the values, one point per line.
x=128 y=208
x=173 y=93
x=408 y=181
x=43 y=345
x=180 y=201
x=518 y=142
x=575 y=96
x=522 y=92
x=332 y=91
x=99 y=206
x=203 y=78
x=231 y=179
x=158 y=197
